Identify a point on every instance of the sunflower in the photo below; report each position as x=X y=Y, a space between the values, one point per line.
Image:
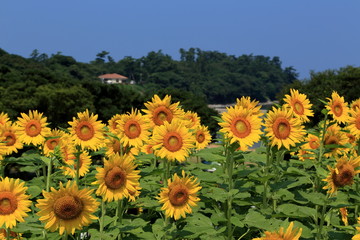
x=117 y=178
x=354 y=122
x=33 y=128
x=357 y=236
x=53 y=139
x=4 y=118
x=160 y=110
x=338 y=108
x=343 y=173
x=114 y=147
x=202 y=137
x=355 y=104
x=86 y=131
x=112 y=123
x=334 y=136
x=14 y=202
x=241 y=125
x=84 y=165
x=67 y=149
x=179 y=196
x=147 y=149
x=172 y=140
x=344 y=215
x=67 y=209
x=290 y=234
x=134 y=194
x=193 y=120
x=299 y=104
x=282 y=128
x=13 y=235
x=247 y=103
x=133 y=129
x=10 y=138
x=312 y=142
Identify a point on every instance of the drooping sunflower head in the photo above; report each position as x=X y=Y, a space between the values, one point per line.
x=299 y=104
x=202 y=137
x=4 y=118
x=193 y=120
x=338 y=108
x=247 y=103
x=10 y=137
x=241 y=125
x=355 y=105
x=290 y=234
x=67 y=209
x=334 y=136
x=312 y=142
x=172 y=141
x=161 y=110
x=86 y=131
x=179 y=196
x=112 y=123
x=133 y=128
x=84 y=165
x=134 y=194
x=354 y=122
x=14 y=202
x=114 y=147
x=343 y=174
x=117 y=178
x=282 y=128
x=33 y=128
x=52 y=140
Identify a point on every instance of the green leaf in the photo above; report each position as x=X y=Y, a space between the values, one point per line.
x=34 y=191
x=292 y=210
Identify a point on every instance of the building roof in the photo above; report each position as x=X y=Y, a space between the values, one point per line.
x=112 y=76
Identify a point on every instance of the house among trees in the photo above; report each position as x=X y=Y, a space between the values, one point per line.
x=113 y=78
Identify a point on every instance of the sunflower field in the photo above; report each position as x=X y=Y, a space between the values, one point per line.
x=156 y=173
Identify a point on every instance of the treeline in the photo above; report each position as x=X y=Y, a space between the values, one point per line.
x=345 y=81
x=60 y=87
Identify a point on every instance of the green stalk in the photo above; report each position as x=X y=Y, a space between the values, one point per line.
x=8 y=233
x=49 y=175
x=230 y=168
x=65 y=236
x=322 y=219
x=266 y=172
x=103 y=212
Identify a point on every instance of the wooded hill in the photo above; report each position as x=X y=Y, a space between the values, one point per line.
x=59 y=86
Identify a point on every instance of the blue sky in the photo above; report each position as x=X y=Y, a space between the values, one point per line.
x=308 y=35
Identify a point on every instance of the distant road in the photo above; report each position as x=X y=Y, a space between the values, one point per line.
x=220 y=108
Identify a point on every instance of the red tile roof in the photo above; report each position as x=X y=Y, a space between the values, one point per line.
x=112 y=75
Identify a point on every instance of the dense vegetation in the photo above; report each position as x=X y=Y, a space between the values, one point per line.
x=60 y=83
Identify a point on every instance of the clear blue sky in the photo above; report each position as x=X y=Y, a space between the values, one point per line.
x=307 y=34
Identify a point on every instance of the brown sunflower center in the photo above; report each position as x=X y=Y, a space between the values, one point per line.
x=345 y=176
x=240 y=127
x=85 y=131
x=132 y=129
x=337 y=109
x=68 y=207
x=357 y=122
x=355 y=106
x=178 y=195
x=281 y=128
x=351 y=138
x=314 y=144
x=10 y=138
x=115 y=178
x=330 y=140
x=8 y=203
x=298 y=108
x=200 y=137
x=162 y=114
x=52 y=143
x=173 y=141
x=33 y=128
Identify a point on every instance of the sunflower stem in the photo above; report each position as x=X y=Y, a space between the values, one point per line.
x=103 y=212
x=322 y=219
x=48 y=177
x=266 y=172
x=77 y=168
x=8 y=233
x=65 y=236
x=230 y=167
